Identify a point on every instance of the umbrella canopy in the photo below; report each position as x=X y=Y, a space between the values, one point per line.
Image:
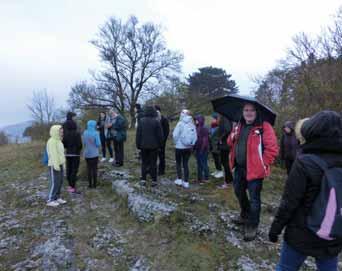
x=231 y=107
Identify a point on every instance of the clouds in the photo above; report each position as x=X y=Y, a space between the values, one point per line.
x=45 y=44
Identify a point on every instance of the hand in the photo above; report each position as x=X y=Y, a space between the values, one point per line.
x=273 y=237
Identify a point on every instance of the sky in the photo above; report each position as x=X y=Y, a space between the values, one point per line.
x=45 y=44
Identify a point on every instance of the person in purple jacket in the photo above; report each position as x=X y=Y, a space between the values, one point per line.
x=202 y=149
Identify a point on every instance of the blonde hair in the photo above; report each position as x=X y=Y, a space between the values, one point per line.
x=298 y=132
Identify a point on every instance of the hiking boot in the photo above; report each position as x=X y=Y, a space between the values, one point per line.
x=52 y=203
x=239 y=221
x=250 y=233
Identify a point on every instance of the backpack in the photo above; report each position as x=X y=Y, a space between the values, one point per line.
x=188 y=135
x=45 y=157
x=325 y=216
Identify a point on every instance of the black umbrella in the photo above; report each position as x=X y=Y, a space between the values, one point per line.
x=231 y=107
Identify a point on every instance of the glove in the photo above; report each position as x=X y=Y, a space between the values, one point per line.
x=273 y=237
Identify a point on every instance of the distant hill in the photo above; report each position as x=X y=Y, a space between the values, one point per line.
x=15 y=132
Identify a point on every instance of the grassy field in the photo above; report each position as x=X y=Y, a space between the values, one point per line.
x=165 y=244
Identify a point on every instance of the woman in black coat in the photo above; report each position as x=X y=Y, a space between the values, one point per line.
x=323 y=137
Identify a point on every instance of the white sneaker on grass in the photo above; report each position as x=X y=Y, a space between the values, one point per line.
x=52 y=203
x=186 y=184
x=111 y=160
x=214 y=173
x=219 y=174
x=61 y=201
x=179 y=182
x=103 y=159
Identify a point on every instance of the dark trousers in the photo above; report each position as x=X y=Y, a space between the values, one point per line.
x=72 y=165
x=149 y=163
x=202 y=166
x=182 y=161
x=292 y=260
x=119 y=152
x=56 y=182
x=224 y=157
x=217 y=160
x=161 y=155
x=250 y=207
x=288 y=165
x=103 y=144
x=109 y=143
x=92 y=171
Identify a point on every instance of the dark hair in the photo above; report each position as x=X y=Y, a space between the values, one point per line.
x=137 y=106
x=157 y=107
x=258 y=120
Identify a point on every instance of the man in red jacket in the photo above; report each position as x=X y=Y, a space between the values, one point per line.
x=253 y=149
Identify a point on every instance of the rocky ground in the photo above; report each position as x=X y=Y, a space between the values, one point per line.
x=122 y=226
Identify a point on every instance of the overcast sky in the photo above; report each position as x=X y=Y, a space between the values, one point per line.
x=45 y=44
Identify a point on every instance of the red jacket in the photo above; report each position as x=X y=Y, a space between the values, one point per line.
x=262 y=149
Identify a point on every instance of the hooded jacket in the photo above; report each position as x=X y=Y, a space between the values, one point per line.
x=202 y=143
x=91 y=140
x=262 y=149
x=323 y=136
x=185 y=123
x=288 y=143
x=149 y=131
x=55 y=149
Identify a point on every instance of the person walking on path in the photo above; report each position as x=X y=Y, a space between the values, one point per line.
x=56 y=165
x=214 y=142
x=288 y=145
x=73 y=145
x=184 y=137
x=91 y=142
x=166 y=130
x=101 y=127
x=254 y=148
x=321 y=138
x=202 y=150
x=224 y=129
x=149 y=139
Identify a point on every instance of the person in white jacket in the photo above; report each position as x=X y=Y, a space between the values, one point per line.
x=184 y=137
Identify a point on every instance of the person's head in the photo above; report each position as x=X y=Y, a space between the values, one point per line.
x=102 y=115
x=91 y=125
x=249 y=113
x=56 y=132
x=137 y=107
x=288 y=127
x=199 y=120
x=215 y=116
x=112 y=113
x=325 y=124
x=71 y=116
x=157 y=107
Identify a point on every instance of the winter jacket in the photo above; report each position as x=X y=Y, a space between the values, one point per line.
x=288 y=143
x=117 y=129
x=91 y=140
x=55 y=149
x=101 y=127
x=262 y=150
x=185 y=123
x=149 y=132
x=303 y=185
x=165 y=127
x=202 y=143
x=72 y=140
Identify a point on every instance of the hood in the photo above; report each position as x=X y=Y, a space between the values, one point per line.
x=324 y=124
x=70 y=115
x=91 y=125
x=200 y=120
x=54 y=132
x=185 y=118
x=70 y=125
x=150 y=112
x=289 y=124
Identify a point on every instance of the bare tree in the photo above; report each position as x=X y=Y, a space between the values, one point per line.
x=135 y=59
x=42 y=107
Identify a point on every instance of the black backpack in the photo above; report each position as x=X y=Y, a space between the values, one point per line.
x=325 y=216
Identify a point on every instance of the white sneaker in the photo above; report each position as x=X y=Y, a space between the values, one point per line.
x=186 y=184
x=53 y=203
x=179 y=182
x=214 y=173
x=61 y=201
x=103 y=159
x=219 y=174
x=111 y=160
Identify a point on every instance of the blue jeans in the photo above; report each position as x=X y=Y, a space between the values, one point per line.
x=292 y=260
x=202 y=166
x=250 y=207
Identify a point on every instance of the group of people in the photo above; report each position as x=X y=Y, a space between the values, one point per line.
x=244 y=150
